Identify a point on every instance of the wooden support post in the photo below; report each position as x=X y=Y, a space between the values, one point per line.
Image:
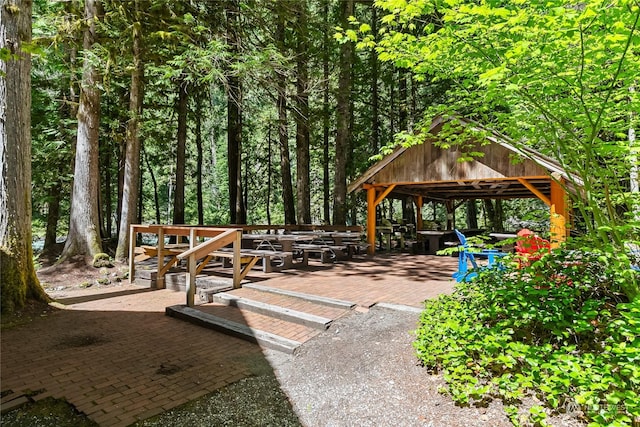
x=371 y=220
x=132 y=253
x=190 y=280
x=237 y=278
x=192 y=270
x=160 y=246
x=559 y=211
x=419 y=203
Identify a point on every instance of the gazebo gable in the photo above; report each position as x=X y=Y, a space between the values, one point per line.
x=427 y=162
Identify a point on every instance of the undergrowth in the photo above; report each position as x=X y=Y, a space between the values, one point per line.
x=559 y=331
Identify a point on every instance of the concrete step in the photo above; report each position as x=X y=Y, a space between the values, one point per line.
x=316 y=299
x=264 y=330
x=229 y=327
x=289 y=302
x=275 y=311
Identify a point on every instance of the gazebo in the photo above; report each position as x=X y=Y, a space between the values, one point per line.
x=426 y=172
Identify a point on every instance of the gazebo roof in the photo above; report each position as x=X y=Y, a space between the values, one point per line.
x=504 y=171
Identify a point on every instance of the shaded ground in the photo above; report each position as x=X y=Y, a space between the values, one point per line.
x=361 y=371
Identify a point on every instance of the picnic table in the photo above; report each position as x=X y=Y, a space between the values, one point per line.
x=269 y=241
x=433 y=238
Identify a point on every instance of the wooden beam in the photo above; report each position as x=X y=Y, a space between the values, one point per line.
x=559 y=211
x=384 y=194
x=371 y=220
x=535 y=191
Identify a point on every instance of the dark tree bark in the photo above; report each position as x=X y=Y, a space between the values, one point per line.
x=181 y=147
x=121 y=160
x=140 y=194
x=234 y=119
x=106 y=205
x=199 y=160
x=494 y=214
x=402 y=101
x=499 y=222
x=269 y=173
x=375 y=96
x=18 y=280
x=53 y=215
x=156 y=196
x=472 y=215
x=131 y=186
x=325 y=117
x=84 y=224
x=283 y=133
x=303 y=191
x=343 y=134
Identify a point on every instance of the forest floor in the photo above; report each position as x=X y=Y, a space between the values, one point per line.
x=361 y=371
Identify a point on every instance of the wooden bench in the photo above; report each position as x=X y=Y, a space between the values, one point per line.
x=327 y=254
x=145 y=252
x=282 y=260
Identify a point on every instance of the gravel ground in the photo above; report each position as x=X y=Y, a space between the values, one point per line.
x=363 y=372
x=360 y=372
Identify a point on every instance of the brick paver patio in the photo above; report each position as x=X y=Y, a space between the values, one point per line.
x=118 y=358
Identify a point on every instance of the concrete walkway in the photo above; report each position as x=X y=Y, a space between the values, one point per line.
x=117 y=358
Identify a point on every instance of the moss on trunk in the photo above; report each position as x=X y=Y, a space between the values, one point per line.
x=18 y=283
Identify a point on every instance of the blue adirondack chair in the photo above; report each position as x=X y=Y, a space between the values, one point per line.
x=467 y=259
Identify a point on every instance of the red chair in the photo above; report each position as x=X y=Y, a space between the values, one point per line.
x=530 y=247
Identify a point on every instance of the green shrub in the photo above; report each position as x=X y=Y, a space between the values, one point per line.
x=560 y=329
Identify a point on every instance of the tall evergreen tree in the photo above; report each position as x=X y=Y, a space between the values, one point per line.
x=18 y=281
x=303 y=190
x=343 y=118
x=84 y=225
x=132 y=158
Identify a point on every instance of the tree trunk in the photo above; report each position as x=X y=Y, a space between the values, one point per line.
x=199 y=160
x=302 y=118
x=375 y=96
x=132 y=158
x=283 y=134
x=140 y=216
x=402 y=101
x=303 y=191
x=53 y=215
x=325 y=116
x=120 y=162
x=472 y=215
x=499 y=216
x=181 y=148
x=84 y=224
x=343 y=134
x=234 y=119
x=18 y=281
x=495 y=214
x=269 y=173
x=392 y=105
x=106 y=205
x=156 y=196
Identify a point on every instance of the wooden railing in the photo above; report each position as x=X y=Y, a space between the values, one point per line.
x=218 y=238
x=203 y=249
